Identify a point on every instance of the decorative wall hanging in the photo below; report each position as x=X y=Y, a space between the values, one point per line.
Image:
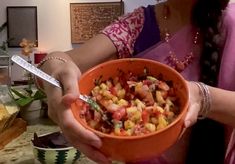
x=87 y=19
x=21 y=23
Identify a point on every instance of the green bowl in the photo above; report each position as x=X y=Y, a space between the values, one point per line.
x=58 y=156
x=55 y=155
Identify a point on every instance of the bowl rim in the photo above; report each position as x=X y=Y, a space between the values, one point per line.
x=50 y=149
x=185 y=107
x=53 y=149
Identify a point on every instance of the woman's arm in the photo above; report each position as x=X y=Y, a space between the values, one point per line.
x=222 y=106
x=96 y=50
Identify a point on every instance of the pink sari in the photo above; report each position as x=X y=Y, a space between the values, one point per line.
x=227 y=73
x=181 y=44
x=124 y=34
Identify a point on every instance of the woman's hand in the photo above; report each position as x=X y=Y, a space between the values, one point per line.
x=59 y=109
x=194 y=105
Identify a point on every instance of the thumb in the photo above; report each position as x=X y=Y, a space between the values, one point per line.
x=70 y=89
x=192 y=115
x=69 y=98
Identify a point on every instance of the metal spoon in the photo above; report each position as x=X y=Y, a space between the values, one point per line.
x=44 y=76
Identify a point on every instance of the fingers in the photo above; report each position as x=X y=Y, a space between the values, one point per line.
x=93 y=153
x=54 y=101
x=67 y=120
x=75 y=130
x=83 y=139
x=68 y=99
x=69 y=79
x=195 y=105
x=192 y=115
x=86 y=141
x=70 y=86
x=182 y=133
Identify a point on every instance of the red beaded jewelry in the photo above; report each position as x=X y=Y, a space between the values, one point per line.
x=172 y=59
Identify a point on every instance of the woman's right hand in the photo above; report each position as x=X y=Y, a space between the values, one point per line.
x=59 y=102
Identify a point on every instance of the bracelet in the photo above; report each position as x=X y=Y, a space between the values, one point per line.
x=206 y=100
x=51 y=58
x=38 y=82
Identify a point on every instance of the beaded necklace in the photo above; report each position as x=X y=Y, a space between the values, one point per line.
x=172 y=60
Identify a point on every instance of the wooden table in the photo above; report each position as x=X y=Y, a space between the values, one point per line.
x=16 y=129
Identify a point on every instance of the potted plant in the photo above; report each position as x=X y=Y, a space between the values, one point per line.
x=28 y=97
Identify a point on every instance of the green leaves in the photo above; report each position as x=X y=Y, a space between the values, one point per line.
x=17 y=93
x=24 y=99
x=3 y=26
x=39 y=95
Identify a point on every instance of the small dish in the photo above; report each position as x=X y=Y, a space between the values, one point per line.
x=53 y=148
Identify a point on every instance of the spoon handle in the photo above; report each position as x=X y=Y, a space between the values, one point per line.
x=34 y=70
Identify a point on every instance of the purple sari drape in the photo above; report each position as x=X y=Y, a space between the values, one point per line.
x=182 y=43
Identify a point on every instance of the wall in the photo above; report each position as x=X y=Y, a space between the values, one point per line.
x=54 y=22
x=54 y=19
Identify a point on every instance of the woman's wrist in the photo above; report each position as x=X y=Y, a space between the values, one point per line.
x=50 y=63
x=205 y=101
x=51 y=58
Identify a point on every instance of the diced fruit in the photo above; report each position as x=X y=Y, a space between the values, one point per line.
x=150 y=127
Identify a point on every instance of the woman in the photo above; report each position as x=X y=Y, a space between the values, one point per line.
x=192 y=36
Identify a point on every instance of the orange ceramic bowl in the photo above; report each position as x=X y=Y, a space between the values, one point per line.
x=135 y=148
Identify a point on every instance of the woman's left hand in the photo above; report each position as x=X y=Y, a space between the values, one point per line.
x=194 y=105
